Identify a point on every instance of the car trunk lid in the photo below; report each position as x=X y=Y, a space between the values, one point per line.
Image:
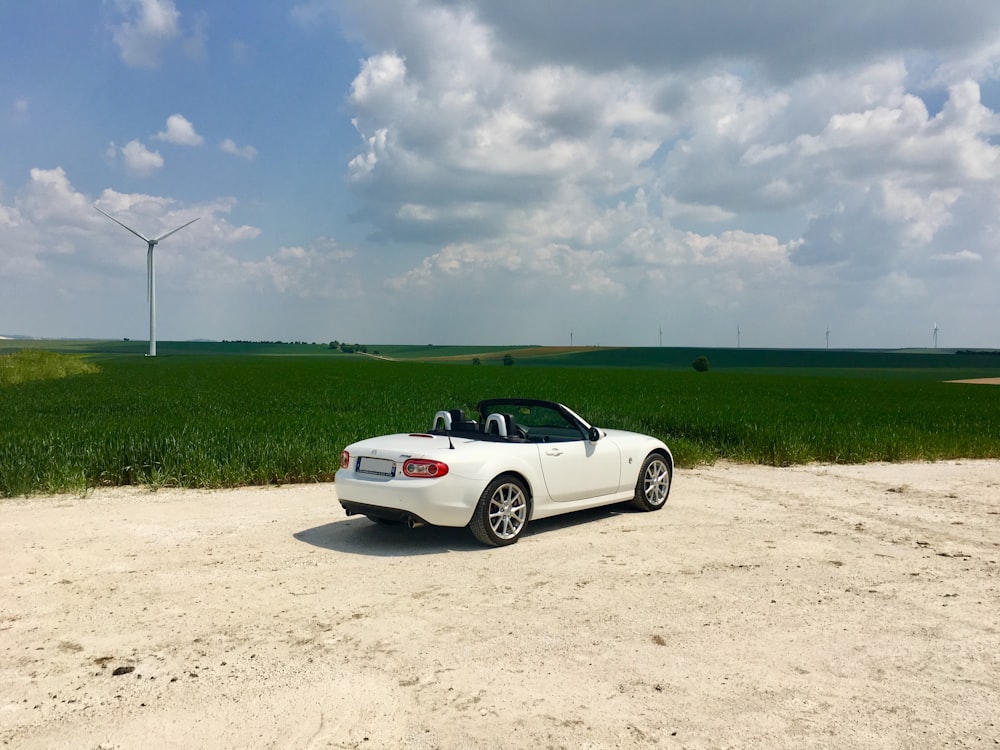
x=403 y=446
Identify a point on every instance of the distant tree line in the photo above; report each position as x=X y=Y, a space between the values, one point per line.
x=508 y=360
x=345 y=348
x=273 y=343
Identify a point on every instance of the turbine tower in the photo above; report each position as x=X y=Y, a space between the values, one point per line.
x=935 y=335
x=150 y=273
x=828 y=336
x=739 y=334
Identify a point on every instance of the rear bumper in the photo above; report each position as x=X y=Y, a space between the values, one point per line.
x=448 y=501
x=377 y=511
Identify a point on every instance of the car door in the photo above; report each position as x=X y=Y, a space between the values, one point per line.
x=578 y=469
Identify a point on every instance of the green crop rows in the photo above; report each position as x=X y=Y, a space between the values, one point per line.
x=215 y=421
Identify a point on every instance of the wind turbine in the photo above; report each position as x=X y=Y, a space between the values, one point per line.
x=935 y=335
x=739 y=333
x=150 y=273
x=828 y=336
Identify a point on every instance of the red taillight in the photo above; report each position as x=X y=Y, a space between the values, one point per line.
x=345 y=460
x=424 y=468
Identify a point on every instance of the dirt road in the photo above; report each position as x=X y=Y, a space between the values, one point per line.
x=809 y=607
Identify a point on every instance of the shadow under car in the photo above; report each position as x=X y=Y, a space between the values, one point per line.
x=360 y=536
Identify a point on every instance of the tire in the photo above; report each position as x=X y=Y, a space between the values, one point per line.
x=502 y=512
x=653 y=485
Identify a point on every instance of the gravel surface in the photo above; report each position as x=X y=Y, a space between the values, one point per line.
x=805 y=607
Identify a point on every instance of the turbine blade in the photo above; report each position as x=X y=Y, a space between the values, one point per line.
x=141 y=236
x=164 y=236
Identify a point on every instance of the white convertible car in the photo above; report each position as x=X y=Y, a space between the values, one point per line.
x=521 y=459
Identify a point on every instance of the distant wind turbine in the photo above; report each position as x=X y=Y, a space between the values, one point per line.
x=739 y=334
x=661 y=335
x=935 y=335
x=828 y=336
x=150 y=272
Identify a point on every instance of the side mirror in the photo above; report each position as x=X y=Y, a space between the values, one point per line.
x=594 y=435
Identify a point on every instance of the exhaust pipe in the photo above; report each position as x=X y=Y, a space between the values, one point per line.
x=413 y=523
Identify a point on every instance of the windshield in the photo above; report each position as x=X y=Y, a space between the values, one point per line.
x=537 y=422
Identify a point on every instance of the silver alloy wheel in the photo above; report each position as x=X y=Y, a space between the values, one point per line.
x=508 y=511
x=656 y=481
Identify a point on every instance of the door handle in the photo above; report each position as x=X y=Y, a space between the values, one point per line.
x=553 y=452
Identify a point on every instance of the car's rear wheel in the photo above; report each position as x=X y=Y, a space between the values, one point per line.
x=502 y=512
x=653 y=485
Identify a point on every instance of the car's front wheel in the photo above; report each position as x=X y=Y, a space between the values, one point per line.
x=502 y=512
x=653 y=485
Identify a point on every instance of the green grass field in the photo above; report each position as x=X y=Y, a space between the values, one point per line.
x=243 y=414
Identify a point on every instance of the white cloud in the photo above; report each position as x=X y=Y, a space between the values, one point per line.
x=148 y=27
x=139 y=160
x=920 y=215
x=8 y=216
x=140 y=207
x=49 y=198
x=363 y=164
x=490 y=270
x=978 y=63
x=244 y=152
x=320 y=270
x=962 y=256
x=180 y=131
x=381 y=77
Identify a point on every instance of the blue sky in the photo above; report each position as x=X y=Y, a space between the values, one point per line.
x=446 y=172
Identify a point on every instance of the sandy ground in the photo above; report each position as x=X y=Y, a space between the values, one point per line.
x=810 y=607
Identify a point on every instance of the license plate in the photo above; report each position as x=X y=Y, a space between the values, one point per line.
x=380 y=467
